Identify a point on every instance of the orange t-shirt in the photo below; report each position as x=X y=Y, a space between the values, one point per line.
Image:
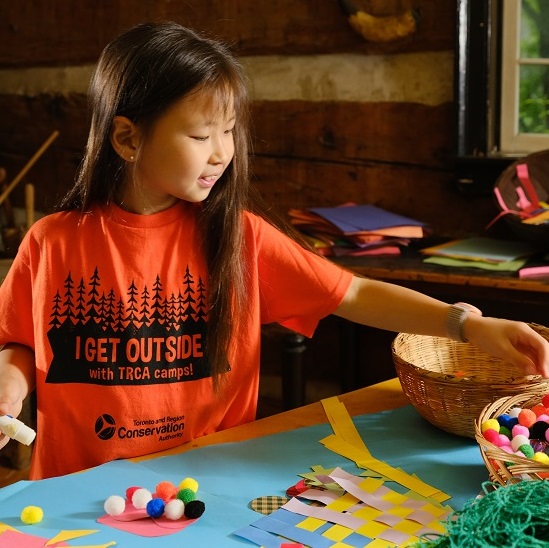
x=113 y=305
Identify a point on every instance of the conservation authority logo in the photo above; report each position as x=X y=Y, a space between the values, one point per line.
x=105 y=427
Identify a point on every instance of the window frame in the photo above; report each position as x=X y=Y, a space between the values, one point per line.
x=511 y=141
x=476 y=71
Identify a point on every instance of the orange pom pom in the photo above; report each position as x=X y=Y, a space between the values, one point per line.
x=539 y=409
x=527 y=418
x=166 y=491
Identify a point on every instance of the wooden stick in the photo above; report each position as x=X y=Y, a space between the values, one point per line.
x=29 y=164
x=29 y=205
x=8 y=210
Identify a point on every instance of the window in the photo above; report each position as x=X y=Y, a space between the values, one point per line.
x=525 y=76
x=501 y=86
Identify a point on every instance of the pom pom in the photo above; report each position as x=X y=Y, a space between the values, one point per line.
x=130 y=491
x=539 y=409
x=189 y=483
x=166 y=490
x=545 y=400
x=541 y=458
x=174 y=509
x=155 y=507
x=504 y=431
x=186 y=495
x=31 y=515
x=538 y=429
x=519 y=430
x=503 y=441
x=519 y=440
x=514 y=412
x=194 y=509
x=527 y=417
x=141 y=497
x=114 y=505
x=491 y=435
x=492 y=424
x=505 y=420
x=526 y=450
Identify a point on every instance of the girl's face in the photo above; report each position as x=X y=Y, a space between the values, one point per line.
x=182 y=155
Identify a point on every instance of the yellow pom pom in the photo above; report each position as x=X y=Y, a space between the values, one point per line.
x=541 y=457
x=490 y=424
x=189 y=483
x=32 y=514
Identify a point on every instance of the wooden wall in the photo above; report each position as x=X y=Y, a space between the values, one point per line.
x=395 y=153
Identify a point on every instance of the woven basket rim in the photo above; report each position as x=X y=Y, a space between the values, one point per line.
x=400 y=362
x=448 y=378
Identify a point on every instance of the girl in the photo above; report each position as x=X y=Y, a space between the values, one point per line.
x=135 y=310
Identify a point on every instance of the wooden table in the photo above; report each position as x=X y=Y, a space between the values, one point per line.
x=474 y=284
x=372 y=399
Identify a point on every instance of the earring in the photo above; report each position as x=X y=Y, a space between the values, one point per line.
x=132 y=158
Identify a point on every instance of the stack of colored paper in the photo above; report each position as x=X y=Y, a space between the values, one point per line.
x=356 y=229
x=482 y=252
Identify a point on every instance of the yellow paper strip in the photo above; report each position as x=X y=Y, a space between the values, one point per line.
x=362 y=460
x=65 y=535
x=342 y=423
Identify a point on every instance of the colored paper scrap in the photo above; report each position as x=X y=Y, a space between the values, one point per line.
x=69 y=535
x=325 y=514
x=159 y=527
x=12 y=537
x=341 y=422
x=483 y=249
x=364 y=461
x=346 y=441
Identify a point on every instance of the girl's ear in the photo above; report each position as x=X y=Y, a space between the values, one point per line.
x=125 y=138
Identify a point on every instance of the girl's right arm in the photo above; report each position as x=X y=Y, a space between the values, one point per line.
x=17 y=380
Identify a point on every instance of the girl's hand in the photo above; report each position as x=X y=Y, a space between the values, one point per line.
x=8 y=406
x=514 y=342
x=14 y=386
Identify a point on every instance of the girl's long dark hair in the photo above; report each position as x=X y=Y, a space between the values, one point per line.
x=139 y=75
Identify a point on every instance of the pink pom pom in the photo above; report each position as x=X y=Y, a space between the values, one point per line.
x=520 y=430
x=503 y=441
x=527 y=417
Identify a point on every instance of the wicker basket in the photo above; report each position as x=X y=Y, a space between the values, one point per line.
x=449 y=383
x=503 y=466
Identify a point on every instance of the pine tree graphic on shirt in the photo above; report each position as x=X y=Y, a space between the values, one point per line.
x=146 y=336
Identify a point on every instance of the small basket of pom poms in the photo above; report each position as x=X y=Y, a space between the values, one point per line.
x=449 y=382
x=513 y=436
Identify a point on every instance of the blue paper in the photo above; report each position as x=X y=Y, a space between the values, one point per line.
x=231 y=475
x=359 y=218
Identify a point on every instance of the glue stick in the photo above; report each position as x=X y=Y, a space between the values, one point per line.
x=17 y=430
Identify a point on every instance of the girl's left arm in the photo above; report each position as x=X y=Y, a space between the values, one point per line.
x=395 y=308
